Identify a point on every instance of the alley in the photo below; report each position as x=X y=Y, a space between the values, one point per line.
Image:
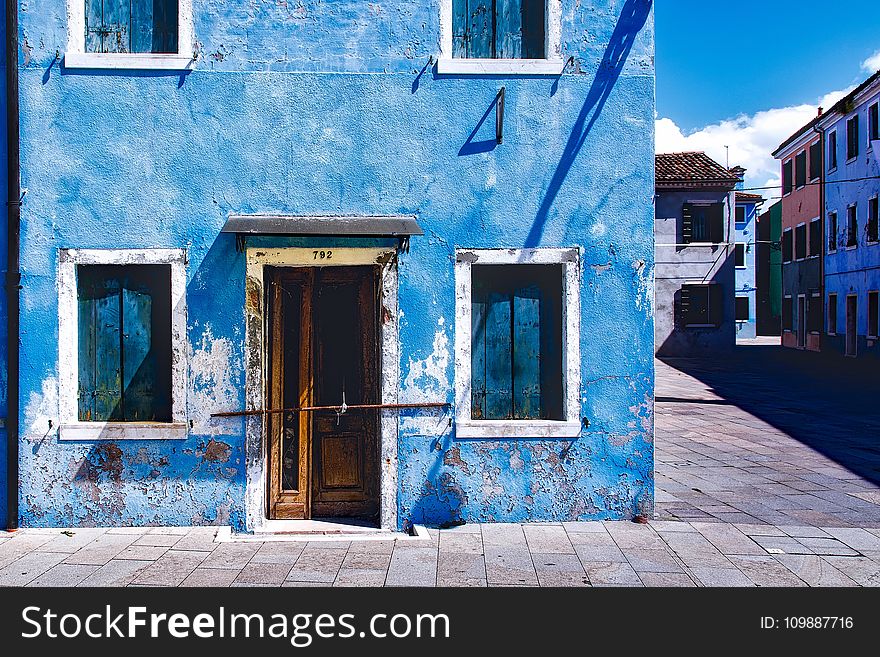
x=767 y=474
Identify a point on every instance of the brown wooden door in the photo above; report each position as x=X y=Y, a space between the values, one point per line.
x=323 y=352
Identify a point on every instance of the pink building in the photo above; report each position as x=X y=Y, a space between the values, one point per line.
x=802 y=230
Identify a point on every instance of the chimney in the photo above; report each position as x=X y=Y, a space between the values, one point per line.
x=821 y=109
x=740 y=173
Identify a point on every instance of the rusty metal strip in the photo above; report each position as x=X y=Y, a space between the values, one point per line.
x=336 y=409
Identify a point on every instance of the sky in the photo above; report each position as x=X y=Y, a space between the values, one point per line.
x=748 y=74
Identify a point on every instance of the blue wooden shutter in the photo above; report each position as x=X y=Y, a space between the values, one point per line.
x=94 y=25
x=508 y=29
x=481 y=21
x=108 y=374
x=460 y=24
x=138 y=360
x=527 y=353
x=478 y=358
x=86 y=353
x=499 y=384
x=165 y=26
x=142 y=25
x=117 y=26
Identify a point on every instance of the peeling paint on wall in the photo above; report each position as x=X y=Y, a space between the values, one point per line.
x=213 y=379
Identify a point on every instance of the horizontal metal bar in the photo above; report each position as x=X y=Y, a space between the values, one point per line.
x=337 y=409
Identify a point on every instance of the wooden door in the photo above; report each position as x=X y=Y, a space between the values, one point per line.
x=851 y=325
x=323 y=352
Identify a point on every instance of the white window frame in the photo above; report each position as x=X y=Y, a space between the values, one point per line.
x=77 y=57
x=71 y=428
x=570 y=426
x=551 y=64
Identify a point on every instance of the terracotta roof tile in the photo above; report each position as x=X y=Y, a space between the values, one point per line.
x=696 y=167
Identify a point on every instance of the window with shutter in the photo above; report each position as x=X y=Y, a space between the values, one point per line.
x=124 y=343
x=742 y=309
x=852 y=226
x=498 y=29
x=516 y=338
x=815 y=238
x=701 y=305
x=872 y=226
x=787 y=178
x=874 y=122
x=131 y=26
x=800 y=169
x=815 y=161
x=800 y=242
x=715 y=218
x=786 y=245
x=739 y=255
x=832 y=231
x=832 y=150
x=852 y=137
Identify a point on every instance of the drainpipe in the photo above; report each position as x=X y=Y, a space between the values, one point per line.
x=13 y=274
x=821 y=133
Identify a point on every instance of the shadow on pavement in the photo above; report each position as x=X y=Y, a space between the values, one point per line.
x=829 y=404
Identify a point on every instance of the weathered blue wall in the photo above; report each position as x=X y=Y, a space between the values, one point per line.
x=747 y=233
x=4 y=379
x=853 y=270
x=323 y=108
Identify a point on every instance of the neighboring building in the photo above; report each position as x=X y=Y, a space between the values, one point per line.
x=801 y=159
x=768 y=271
x=852 y=189
x=274 y=205
x=744 y=260
x=694 y=235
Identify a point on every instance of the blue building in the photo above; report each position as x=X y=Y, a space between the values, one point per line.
x=851 y=132
x=403 y=237
x=745 y=260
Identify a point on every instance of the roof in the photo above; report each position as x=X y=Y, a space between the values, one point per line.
x=800 y=133
x=746 y=197
x=691 y=169
x=840 y=106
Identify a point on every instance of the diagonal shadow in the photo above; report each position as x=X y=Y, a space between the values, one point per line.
x=632 y=19
x=471 y=147
x=824 y=403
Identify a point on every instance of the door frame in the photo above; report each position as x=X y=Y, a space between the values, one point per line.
x=257 y=369
x=802 y=321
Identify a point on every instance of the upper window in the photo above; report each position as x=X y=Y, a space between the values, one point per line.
x=786 y=245
x=517 y=346
x=702 y=223
x=874 y=122
x=122 y=344
x=739 y=255
x=832 y=231
x=871 y=228
x=832 y=149
x=815 y=238
x=852 y=226
x=500 y=36
x=740 y=214
x=815 y=161
x=800 y=242
x=800 y=169
x=133 y=26
x=852 y=137
x=498 y=29
x=787 y=178
x=130 y=34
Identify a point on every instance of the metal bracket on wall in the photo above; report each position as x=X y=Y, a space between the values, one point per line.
x=499 y=116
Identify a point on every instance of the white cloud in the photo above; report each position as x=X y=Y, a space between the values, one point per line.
x=872 y=64
x=751 y=138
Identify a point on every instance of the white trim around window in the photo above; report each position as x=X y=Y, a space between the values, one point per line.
x=552 y=64
x=68 y=345
x=570 y=426
x=77 y=58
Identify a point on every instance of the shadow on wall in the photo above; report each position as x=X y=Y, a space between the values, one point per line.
x=633 y=17
x=827 y=404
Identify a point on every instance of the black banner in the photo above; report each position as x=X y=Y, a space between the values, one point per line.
x=435 y=621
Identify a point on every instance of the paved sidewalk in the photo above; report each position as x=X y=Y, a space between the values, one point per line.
x=763 y=479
